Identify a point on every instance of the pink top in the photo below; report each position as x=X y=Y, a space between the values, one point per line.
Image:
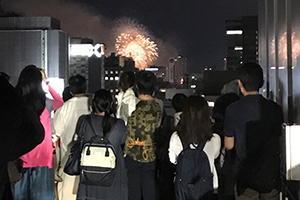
x=41 y=155
x=57 y=101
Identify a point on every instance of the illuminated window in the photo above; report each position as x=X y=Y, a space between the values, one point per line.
x=116 y=78
x=234 y=32
x=106 y=78
x=238 y=48
x=111 y=78
x=111 y=72
x=106 y=72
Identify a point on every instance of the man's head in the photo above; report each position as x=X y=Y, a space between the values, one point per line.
x=178 y=101
x=145 y=82
x=250 y=77
x=77 y=84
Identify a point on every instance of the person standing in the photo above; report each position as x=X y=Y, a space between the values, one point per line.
x=139 y=147
x=38 y=172
x=21 y=131
x=114 y=130
x=64 y=125
x=253 y=127
x=126 y=99
x=193 y=129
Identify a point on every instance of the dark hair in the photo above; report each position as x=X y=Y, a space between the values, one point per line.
x=219 y=110
x=195 y=122
x=77 y=84
x=145 y=82
x=126 y=80
x=29 y=88
x=251 y=76
x=102 y=102
x=5 y=75
x=66 y=95
x=178 y=101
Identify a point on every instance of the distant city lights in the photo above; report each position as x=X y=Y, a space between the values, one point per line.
x=181 y=81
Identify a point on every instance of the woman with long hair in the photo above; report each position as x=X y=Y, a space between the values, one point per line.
x=37 y=181
x=126 y=99
x=194 y=128
x=101 y=123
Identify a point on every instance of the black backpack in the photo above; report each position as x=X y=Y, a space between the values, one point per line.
x=194 y=179
x=98 y=161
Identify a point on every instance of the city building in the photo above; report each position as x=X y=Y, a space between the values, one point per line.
x=177 y=69
x=114 y=65
x=87 y=60
x=159 y=71
x=79 y=61
x=241 y=41
x=33 y=40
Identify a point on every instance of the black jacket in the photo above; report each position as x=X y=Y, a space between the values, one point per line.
x=20 y=132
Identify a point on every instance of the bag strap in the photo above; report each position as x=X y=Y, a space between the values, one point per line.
x=187 y=146
x=201 y=146
x=89 y=121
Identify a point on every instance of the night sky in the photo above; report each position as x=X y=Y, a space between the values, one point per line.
x=194 y=29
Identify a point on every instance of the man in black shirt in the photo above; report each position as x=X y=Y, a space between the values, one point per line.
x=253 y=127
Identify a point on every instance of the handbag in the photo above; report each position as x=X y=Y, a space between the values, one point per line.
x=72 y=166
x=14 y=169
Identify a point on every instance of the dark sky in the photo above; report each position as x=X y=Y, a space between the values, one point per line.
x=195 y=29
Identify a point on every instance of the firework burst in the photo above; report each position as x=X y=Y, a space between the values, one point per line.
x=132 y=42
x=282 y=47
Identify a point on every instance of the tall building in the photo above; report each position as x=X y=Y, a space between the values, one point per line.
x=87 y=60
x=114 y=65
x=241 y=41
x=79 y=61
x=177 y=69
x=33 y=40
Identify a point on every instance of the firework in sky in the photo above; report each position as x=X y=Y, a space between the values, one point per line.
x=282 y=47
x=132 y=41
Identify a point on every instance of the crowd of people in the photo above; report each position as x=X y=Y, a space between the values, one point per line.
x=239 y=137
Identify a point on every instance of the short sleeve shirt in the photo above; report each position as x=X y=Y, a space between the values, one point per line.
x=255 y=124
x=251 y=121
x=141 y=126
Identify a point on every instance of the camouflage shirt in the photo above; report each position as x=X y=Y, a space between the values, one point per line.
x=140 y=131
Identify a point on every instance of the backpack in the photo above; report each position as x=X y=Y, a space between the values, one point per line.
x=194 y=179
x=98 y=161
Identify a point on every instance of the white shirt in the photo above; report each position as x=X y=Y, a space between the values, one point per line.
x=126 y=104
x=211 y=148
x=65 y=121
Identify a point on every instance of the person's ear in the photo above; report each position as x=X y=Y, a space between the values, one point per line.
x=241 y=87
